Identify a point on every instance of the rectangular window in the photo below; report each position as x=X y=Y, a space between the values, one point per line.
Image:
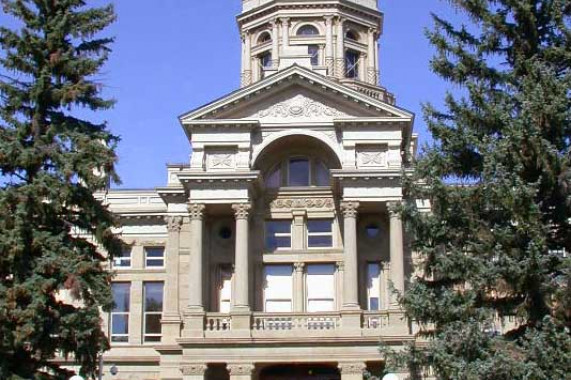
x=278 y=288
x=320 y=233
x=119 y=318
x=374 y=286
x=123 y=259
x=152 y=311
x=225 y=289
x=320 y=283
x=278 y=234
x=154 y=257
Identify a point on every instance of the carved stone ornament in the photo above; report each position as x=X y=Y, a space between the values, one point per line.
x=290 y=203
x=299 y=267
x=299 y=106
x=193 y=369
x=220 y=160
x=372 y=158
x=240 y=369
x=352 y=368
x=349 y=209
x=196 y=210
x=241 y=210
x=174 y=223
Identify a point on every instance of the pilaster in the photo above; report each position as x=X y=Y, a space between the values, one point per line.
x=396 y=252
x=298 y=287
x=171 y=320
x=340 y=58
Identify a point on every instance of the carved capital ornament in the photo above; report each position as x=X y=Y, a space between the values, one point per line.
x=193 y=369
x=241 y=210
x=349 y=209
x=196 y=210
x=174 y=223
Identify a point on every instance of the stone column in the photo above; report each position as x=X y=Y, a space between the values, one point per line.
x=371 y=64
x=193 y=371
x=240 y=371
x=340 y=58
x=362 y=70
x=171 y=320
x=285 y=33
x=195 y=297
x=241 y=275
x=275 y=44
x=350 y=275
x=396 y=252
x=298 y=293
x=329 y=60
x=246 y=60
x=352 y=371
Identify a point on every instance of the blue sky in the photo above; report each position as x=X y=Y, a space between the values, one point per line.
x=171 y=56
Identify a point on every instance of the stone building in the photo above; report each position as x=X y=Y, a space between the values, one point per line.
x=271 y=254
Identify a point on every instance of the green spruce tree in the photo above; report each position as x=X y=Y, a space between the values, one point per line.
x=493 y=287
x=52 y=162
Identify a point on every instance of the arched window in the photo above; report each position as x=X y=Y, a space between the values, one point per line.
x=264 y=37
x=352 y=35
x=307 y=30
x=298 y=171
x=351 y=64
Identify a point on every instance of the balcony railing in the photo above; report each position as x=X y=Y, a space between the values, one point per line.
x=322 y=324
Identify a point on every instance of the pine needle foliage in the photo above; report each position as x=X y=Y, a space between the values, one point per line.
x=52 y=162
x=492 y=290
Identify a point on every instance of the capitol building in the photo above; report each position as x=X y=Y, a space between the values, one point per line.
x=273 y=253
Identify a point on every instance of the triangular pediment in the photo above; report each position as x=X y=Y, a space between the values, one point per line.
x=296 y=95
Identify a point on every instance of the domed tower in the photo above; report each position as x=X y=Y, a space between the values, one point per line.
x=336 y=38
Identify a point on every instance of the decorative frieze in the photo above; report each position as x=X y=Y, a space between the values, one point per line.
x=299 y=106
x=305 y=203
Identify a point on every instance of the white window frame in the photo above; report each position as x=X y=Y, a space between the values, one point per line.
x=317 y=234
x=290 y=299
x=280 y=234
x=333 y=300
x=222 y=270
x=121 y=259
x=163 y=258
x=145 y=313
x=112 y=314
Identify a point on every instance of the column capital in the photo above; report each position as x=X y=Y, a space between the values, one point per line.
x=328 y=19
x=174 y=223
x=240 y=369
x=241 y=210
x=391 y=207
x=352 y=368
x=349 y=208
x=196 y=210
x=340 y=266
x=299 y=267
x=284 y=20
x=340 y=20
x=193 y=369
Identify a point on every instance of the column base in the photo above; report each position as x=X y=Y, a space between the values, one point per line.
x=351 y=322
x=193 y=324
x=241 y=323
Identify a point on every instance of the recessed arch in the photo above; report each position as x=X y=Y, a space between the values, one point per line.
x=263 y=37
x=353 y=35
x=333 y=150
x=307 y=29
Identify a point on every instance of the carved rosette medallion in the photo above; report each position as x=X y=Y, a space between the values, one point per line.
x=241 y=210
x=349 y=209
x=193 y=369
x=305 y=203
x=196 y=210
x=174 y=223
x=352 y=368
x=240 y=369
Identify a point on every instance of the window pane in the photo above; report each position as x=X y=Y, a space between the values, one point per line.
x=319 y=225
x=120 y=324
x=320 y=305
x=275 y=229
x=374 y=285
x=307 y=30
x=351 y=64
x=298 y=172
x=313 y=51
x=321 y=175
x=152 y=324
x=319 y=241
x=274 y=179
x=123 y=259
x=153 y=296
x=121 y=296
x=374 y=303
x=320 y=287
x=278 y=306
